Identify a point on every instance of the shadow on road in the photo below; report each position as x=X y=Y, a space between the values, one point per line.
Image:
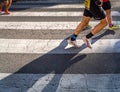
x=62 y=64
x=46 y=64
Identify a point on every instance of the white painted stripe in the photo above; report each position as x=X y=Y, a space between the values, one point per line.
x=44 y=25
x=56 y=47
x=51 y=6
x=114 y=13
x=45 y=14
x=64 y=82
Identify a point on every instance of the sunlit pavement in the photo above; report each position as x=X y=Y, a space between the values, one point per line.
x=35 y=56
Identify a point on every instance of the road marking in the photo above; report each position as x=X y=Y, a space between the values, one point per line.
x=45 y=14
x=56 y=46
x=44 y=25
x=114 y=13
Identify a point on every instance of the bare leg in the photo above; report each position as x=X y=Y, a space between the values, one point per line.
x=84 y=22
x=108 y=15
x=95 y=30
x=1 y=5
x=99 y=26
x=8 y=4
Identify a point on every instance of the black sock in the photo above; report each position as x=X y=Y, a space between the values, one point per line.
x=89 y=35
x=73 y=37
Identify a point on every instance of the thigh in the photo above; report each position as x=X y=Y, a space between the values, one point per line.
x=86 y=18
x=10 y=2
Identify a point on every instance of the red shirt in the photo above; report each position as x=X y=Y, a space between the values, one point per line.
x=105 y=0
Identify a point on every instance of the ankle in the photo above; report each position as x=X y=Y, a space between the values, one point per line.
x=73 y=37
x=0 y=9
x=88 y=36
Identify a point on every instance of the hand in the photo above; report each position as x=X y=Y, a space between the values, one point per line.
x=99 y=2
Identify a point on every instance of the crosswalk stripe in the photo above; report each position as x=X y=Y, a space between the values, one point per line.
x=56 y=46
x=35 y=80
x=113 y=13
x=44 y=25
x=64 y=82
x=45 y=14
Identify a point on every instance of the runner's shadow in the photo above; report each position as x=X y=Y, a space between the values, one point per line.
x=49 y=63
x=106 y=33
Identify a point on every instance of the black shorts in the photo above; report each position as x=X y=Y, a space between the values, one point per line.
x=106 y=5
x=96 y=14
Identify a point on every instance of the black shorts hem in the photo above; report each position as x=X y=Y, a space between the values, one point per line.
x=96 y=15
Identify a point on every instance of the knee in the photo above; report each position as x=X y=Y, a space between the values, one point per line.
x=84 y=23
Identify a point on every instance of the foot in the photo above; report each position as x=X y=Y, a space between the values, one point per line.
x=73 y=43
x=113 y=27
x=87 y=42
x=7 y=12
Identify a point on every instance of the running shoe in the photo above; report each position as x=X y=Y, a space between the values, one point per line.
x=73 y=43
x=113 y=27
x=87 y=42
x=6 y=12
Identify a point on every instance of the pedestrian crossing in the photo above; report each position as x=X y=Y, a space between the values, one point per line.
x=33 y=45
x=114 y=14
x=45 y=46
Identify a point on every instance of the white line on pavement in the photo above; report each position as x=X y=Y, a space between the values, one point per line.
x=44 y=25
x=45 y=14
x=114 y=13
x=57 y=46
x=64 y=82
